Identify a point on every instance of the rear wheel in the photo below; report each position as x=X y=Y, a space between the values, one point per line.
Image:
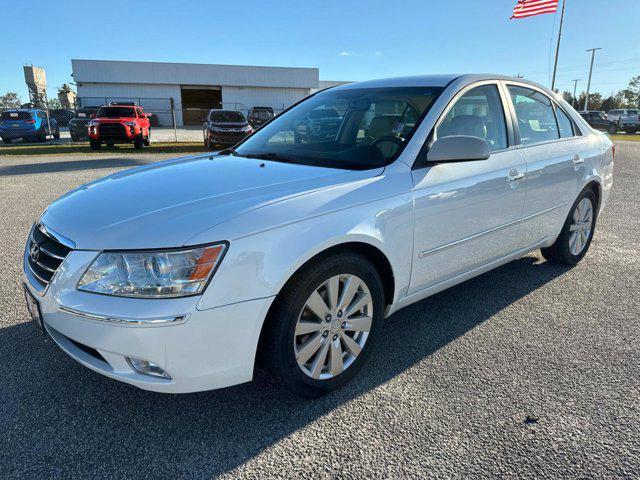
x=56 y=134
x=324 y=324
x=41 y=136
x=576 y=235
x=95 y=144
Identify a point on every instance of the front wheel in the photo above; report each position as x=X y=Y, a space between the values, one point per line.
x=138 y=142
x=56 y=134
x=613 y=129
x=324 y=324
x=147 y=140
x=576 y=235
x=95 y=144
x=6 y=140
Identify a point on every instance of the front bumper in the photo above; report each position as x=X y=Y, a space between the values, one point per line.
x=114 y=132
x=226 y=138
x=202 y=350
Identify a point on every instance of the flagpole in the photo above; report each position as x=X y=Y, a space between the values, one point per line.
x=555 y=64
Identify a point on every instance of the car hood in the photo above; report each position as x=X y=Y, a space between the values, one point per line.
x=167 y=203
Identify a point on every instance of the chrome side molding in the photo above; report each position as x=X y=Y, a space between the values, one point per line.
x=131 y=322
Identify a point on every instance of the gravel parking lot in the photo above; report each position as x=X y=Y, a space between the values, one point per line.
x=531 y=370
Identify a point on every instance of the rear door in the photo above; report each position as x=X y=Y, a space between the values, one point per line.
x=467 y=213
x=555 y=152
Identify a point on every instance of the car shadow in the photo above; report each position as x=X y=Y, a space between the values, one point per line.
x=61 y=419
x=73 y=165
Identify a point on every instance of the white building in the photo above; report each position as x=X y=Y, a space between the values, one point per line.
x=193 y=88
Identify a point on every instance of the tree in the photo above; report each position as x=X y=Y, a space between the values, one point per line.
x=54 y=104
x=612 y=102
x=595 y=101
x=631 y=94
x=568 y=97
x=10 y=100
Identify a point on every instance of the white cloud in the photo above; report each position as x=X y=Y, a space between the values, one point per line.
x=344 y=53
x=378 y=53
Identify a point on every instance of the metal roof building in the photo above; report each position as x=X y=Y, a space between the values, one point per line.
x=192 y=88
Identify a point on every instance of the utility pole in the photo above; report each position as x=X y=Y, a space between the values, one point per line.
x=555 y=64
x=575 y=85
x=593 y=55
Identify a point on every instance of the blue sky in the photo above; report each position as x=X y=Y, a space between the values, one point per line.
x=346 y=39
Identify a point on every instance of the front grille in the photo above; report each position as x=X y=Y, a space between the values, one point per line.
x=111 y=130
x=44 y=255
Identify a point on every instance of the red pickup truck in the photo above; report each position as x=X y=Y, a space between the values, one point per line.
x=119 y=123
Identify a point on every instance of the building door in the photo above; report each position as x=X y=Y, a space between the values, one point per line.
x=197 y=101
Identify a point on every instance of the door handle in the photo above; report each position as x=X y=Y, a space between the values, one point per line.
x=577 y=160
x=514 y=175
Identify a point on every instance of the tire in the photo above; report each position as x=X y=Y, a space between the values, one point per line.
x=75 y=138
x=147 y=141
x=56 y=134
x=109 y=144
x=613 y=129
x=6 y=140
x=41 y=136
x=564 y=251
x=281 y=347
x=95 y=144
x=629 y=131
x=138 y=142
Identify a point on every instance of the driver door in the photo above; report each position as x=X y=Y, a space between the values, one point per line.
x=467 y=214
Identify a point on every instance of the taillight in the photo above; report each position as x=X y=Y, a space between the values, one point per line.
x=30 y=121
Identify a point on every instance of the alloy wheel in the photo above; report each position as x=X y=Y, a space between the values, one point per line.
x=333 y=326
x=581 y=225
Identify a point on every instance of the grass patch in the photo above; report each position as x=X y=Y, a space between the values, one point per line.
x=625 y=138
x=186 y=147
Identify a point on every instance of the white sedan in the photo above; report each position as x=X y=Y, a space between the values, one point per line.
x=288 y=251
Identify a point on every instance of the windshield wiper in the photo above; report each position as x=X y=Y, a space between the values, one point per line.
x=268 y=156
x=228 y=151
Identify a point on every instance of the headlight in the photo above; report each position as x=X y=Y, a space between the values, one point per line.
x=247 y=128
x=153 y=274
x=130 y=124
x=92 y=123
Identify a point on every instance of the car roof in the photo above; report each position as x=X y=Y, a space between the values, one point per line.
x=432 y=81
x=224 y=110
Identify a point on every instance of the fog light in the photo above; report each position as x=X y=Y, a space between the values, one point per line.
x=146 y=367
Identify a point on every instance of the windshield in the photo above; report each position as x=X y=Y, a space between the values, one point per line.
x=350 y=128
x=116 y=112
x=225 y=116
x=86 y=112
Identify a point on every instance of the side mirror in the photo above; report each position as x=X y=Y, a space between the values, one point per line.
x=458 y=148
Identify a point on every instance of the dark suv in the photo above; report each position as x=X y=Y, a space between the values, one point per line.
x=79 y=125
x=599 y=121
x=225 y=127
x=258 y=116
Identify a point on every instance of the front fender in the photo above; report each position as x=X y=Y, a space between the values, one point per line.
x=258 y=266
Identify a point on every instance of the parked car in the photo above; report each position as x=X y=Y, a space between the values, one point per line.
x=119 y=123
x=29 y=124
x=79 y=125
x=258 y=116
x=183 y=275
x=62 y=115
x=599 y=121
x=629 y=123
x=225 y=127
x=614 y=115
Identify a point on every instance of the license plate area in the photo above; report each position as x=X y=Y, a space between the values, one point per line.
x=33 y=307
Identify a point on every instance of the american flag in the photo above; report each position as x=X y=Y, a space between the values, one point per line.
x=529 y=8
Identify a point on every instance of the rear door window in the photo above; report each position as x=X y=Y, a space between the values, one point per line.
x=565 y=124
x=534 y=112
